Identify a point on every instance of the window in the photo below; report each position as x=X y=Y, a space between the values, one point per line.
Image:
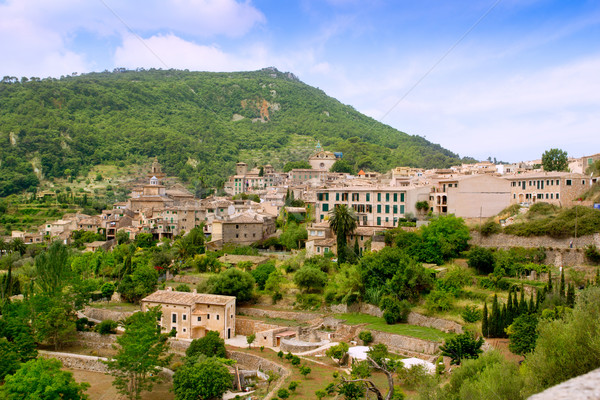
x=583 y=181
x=557 y=196
x=337 y=197
x=174 y=318
x=368 y=196
x=184 y=317
x=355 y=196
x=395 y=197
x=387 y=197
x=325 y=207
x=402 y=209
x=218 y=317
x=199 y=319
x=387 y=208
x=558 y=182
x=402 y=197
x=207 y=316
x=379 y=208
x=568 y=182
x=184 y=330
x=378 y=220
x=395 y=209
x=378 y=196
x=237 y=227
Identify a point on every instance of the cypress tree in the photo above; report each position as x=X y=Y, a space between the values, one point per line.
x=531 y=304
x=356 y=247
x=537 y=299
x=503 y=324
x=562 y=283
x=510 y=311
x=485 y=330
x=495 y=318
x=597 y=277
x=549 y=281
x=571 y=295
x=522 y=303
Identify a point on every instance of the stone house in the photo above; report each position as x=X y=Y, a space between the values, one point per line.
x=243 y=229
x=559 y=188
x=193 y=314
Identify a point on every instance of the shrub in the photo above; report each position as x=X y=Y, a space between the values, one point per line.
x=366 y=337
x=283 y=393
x=490 y=228
x=106 y=327
x=471 y=314
x=481 y=259
x=292 y=386
x=438 y=300
x=183 y=288
x=592 y=254
x=308 y=301
x=394 y=310
x=413 y=377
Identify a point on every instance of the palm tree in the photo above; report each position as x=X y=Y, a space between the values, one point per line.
x=342 y=220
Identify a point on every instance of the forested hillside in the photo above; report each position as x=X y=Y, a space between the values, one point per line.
x=197 y=123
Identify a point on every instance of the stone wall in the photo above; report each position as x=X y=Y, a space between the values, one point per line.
x=503 y=241
x=192 y=280
x=292 y=315
x=95 y=340
x=102 y=314
x=442 y=324
x=560 y=257
x=405 y=344
x=247 y=326
x=89 y=363
x=298 y=346
x=251 y=361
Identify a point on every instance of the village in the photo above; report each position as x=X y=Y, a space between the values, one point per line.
x=262 y=334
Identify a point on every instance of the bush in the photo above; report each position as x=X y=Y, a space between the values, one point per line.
x=482 y=260
x=283 y=393
x=592 y=254
x=366 y=337
x=233 y=282
x=211 y=345
x=413 y=377
x=106 y=327
x=490 y=228
x=310 y=279
x=471 y=314
x=438 y=300
x=394 y=310
x=182 y=287
x=308 y=301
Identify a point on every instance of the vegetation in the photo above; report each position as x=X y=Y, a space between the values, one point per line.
x=141 y=352
x=211 y=345
x=555 y=160
x=201 y=378
x=343 y=221
x=42 y=379
x=65 y=126
x=462 y=347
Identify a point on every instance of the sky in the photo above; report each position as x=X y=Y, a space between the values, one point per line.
x=506 y=79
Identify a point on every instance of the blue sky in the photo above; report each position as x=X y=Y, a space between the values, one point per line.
x=524 y=79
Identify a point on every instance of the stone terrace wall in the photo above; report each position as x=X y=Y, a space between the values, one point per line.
x=442 y=324
x=102 y=314
x=405 y=344
x=251 y=361
x=192 y=280
x=77 y=361
x=95 y=340
x=503 y=241
x=293 y=315
x=247 y=326
x=413 y=318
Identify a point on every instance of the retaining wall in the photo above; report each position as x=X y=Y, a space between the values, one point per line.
x=406 y=344
x=247 y=326
x=102 y=314
x=292 y=315
x=252 y=361
x=504 y=241
x=95 y=340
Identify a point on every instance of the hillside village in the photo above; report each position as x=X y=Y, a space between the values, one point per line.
x=260 y=271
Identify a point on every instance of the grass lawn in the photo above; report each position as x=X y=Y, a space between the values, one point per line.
x=379 y=324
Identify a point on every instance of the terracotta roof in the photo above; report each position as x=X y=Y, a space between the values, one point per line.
x=325 y=242
x=186 y=298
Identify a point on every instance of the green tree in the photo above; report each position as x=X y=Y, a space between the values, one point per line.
x=462 y=347
x=523 y=334
x=210 y=345
x=261 y=274
x=107 y=289
x=53 y=269
x=42 y=379
x=250 y=339
x=290 y=165
x=232 y=282
x=555 y=160
x=343 y=166
x=343 y=221
x=366 y=337
x=305 y=370
x=447 y=236
x=141 y=352
x=293 y=236
x=141 y=283
x=203 y=379
x=339 y=352
x=310 y=279
x=9 y=358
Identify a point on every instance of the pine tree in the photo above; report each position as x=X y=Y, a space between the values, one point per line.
x=485 y=330
x=571 y=295
x=562 y=283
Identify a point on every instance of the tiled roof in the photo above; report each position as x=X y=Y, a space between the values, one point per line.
x=186 y=298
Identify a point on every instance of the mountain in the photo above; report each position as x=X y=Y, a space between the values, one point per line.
x=198 y=124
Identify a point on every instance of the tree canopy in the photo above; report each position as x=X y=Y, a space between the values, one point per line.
x=555 y=160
